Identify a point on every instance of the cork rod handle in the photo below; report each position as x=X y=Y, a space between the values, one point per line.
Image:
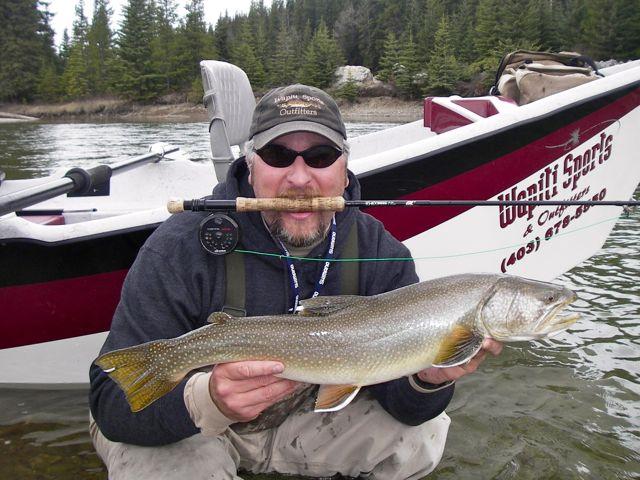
x=175 y=206
x=335 y=204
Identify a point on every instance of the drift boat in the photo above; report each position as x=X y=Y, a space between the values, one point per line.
x=64 y=257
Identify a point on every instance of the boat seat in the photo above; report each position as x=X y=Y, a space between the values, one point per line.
x=442 y=114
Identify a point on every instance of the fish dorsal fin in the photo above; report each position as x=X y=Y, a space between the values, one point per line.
x=218 y=318
x=320 y=306
x=458 y=347
x=334 y=397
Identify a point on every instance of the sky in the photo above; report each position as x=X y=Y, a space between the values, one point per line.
x=64 y=11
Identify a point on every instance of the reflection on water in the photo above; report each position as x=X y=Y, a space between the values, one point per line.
x=568 y=407
x=32 y=150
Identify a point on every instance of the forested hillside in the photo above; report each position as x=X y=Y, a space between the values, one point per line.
x=420 y=46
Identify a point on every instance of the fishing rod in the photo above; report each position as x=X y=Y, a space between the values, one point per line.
x=338 y=204
x=219 y=233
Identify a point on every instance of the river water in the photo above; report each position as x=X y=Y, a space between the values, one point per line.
x=565 y=408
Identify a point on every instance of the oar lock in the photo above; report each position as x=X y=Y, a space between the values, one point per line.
x=91 y=182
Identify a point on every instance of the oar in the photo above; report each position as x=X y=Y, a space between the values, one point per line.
x=76 y=181
x=338 y=204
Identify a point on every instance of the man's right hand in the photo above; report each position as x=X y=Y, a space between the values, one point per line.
x=243 y=390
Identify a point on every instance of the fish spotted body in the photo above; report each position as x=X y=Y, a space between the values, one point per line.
x=346 y=342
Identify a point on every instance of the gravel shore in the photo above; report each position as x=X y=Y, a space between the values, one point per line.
x=366 y=109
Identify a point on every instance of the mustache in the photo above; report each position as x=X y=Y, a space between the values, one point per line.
x=299 y=193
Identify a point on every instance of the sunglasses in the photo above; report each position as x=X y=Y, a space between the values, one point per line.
x=320 y=156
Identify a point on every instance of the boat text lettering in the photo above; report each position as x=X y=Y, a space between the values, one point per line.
x=546 y=186
x=583 y=164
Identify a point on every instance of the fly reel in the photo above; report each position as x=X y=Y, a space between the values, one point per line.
x=219 y=234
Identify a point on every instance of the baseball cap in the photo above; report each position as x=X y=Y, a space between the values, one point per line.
x=296 y=108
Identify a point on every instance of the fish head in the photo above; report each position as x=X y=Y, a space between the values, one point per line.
x=518 y=309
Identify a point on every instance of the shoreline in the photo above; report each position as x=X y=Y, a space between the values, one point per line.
x=365 y=109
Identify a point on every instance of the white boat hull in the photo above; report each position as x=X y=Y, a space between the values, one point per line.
x=56 y=311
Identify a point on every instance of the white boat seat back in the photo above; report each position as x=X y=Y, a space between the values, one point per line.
x=229 y=100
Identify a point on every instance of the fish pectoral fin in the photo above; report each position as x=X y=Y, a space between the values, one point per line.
x=334 y=397
x=458 y=347
x=218 y=318
x=328 y=305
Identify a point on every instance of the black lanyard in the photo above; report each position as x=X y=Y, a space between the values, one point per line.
x=293 y=276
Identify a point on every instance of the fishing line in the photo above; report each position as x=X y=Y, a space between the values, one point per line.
x=435 y=257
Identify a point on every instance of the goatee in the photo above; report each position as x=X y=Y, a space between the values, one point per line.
x=303 y=239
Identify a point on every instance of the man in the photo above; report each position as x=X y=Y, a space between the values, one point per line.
x=241 y=415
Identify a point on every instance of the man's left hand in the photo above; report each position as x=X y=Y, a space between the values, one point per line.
x=437 y=376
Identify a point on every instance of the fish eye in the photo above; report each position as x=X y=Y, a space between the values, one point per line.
x=551 y=299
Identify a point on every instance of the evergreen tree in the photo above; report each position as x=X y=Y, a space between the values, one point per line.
x=628 y=44
x=488 y=27
x=26 y=43
x=49 y=87
x=321 y=59
x=406 y=81
x=276 y=21
x=556 y=34
x=349 y=91
x=133 y=68
x=193 y=44
x=164 y=56
x=443 y=71
x=244 y=56
x=222 y=37
x=433 y=12
x=463 y=31
x=284 y=62
x=600 y=28
x=99 y=48
x=76 y=73
x=575 y=14
x=307 y=35
x=257 y=20
x=65 y=48
x=348 y=33
x=510 y=23
x=390 y=60
x=75 y=79
x=260 y=47
x=381 y=17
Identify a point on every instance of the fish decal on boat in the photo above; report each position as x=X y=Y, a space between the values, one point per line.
x=346 y=342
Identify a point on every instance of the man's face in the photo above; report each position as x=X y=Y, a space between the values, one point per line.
x=298 y=181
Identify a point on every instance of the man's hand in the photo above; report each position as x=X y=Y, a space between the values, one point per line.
x=440 y=375
x=242 y=390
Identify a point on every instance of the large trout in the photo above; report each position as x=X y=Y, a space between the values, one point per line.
x=346 y=342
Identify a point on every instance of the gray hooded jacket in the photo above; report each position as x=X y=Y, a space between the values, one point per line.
x=174 y=285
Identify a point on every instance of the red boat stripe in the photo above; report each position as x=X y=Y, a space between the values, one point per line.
x=58 y=311
x=493 y=177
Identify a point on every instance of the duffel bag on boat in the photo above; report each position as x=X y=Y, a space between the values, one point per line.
x=526 y=76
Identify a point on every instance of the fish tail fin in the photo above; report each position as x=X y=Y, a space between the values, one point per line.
x=142 y=380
